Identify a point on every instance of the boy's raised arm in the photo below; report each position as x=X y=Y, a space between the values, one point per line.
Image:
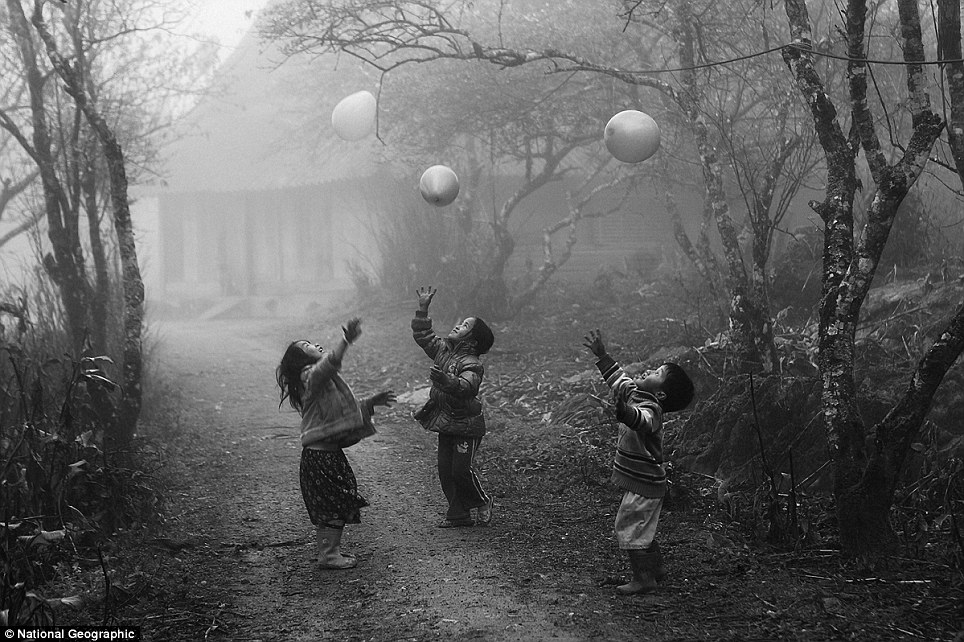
x=635 y=408
x=605 y=363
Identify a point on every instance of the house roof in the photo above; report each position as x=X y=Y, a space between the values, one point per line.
x=267 y=125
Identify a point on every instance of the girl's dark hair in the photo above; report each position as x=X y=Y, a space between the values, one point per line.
x=678 y=387
x=288 y=374
x=483 y=336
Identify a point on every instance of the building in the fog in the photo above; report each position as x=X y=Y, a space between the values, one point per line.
x=261 y=201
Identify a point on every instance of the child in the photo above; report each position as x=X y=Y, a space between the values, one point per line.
x=331 y=419
x=638 y=464
x=454 y=411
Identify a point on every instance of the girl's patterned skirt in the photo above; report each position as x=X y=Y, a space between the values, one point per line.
x=329 y=488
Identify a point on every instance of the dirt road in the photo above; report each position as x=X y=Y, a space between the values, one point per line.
x=248 y=547
x=233 y=561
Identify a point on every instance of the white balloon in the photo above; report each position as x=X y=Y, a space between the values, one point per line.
x=354 y=116
x=631 y=136
x=439 y=185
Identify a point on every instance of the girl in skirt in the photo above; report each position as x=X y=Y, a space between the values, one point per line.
x=332 y=419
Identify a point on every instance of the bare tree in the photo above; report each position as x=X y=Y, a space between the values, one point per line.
x=864 y=482
x=66 y=265
x=17 y=173
x=76 y=83
x=97 y=88
x=390 y=34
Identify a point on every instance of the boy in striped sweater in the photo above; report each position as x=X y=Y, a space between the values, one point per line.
x=638 y=464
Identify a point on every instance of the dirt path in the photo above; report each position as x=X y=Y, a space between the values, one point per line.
x=233 y=561
x=248 y=547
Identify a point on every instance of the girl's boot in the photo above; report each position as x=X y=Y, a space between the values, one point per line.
x=329 y=550
x=643 y=563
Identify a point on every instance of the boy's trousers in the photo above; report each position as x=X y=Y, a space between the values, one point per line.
x=456 y=473
x=636 y=521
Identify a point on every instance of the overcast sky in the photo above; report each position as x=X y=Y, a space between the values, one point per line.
x=227 y=19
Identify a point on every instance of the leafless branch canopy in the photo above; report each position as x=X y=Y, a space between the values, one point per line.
x=388 y=34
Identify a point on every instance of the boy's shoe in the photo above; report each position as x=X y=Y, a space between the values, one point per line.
x=638 y=586
x=484 y=515
x=456 y=523
x=642 y=563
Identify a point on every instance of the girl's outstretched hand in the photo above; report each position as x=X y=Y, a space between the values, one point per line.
x=385 y=398
x=352 y=330
x=425 y=296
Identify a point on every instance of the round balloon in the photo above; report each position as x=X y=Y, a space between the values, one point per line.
x=631 y=136
x=354 y=116
x=439 y=185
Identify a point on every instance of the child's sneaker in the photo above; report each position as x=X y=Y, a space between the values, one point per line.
x=484 y=515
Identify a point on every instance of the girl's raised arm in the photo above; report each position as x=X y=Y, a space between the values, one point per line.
x=330 y=363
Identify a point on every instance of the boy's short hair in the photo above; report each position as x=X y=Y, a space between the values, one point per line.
x=483 y=336
x=678 y=387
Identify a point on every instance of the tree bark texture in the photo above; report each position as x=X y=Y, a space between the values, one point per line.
x=861 y=483
x=842 y=423
x=900 y=427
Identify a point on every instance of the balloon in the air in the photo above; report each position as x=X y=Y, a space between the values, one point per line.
x=354 y=116
x=439 y=185
x=631 y=136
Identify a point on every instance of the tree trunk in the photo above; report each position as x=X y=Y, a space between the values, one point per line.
x=842 y=423
x=100 y=297
x=66 y=265
x=949 y=30
x=750 y=325
x=130 y=407
x=133 y=284
x=864 y=515
x=895 y=434
x=863 y=486
x=492 y=291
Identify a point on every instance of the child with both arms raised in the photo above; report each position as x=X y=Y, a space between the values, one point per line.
x=454 y=411
x=638 y=463
x=332 y=419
